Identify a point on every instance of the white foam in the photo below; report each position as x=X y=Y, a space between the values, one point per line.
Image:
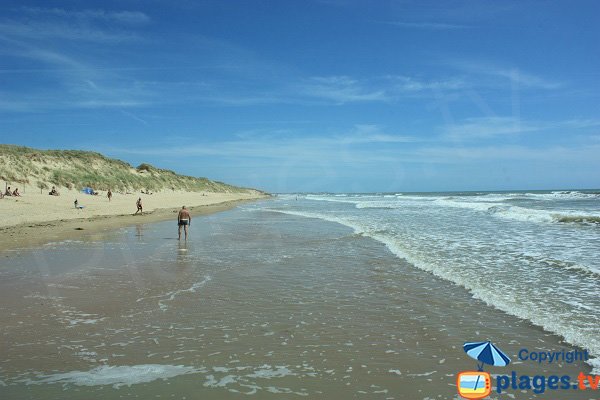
x=563 y=195
x=116 y=376
x=268 y=372
x=595 y=363
x=234 y=382
x=357 y=228
x=572 y=333
x=518 y=213
x=423 y=374
x=171 y=295
x=330 y=199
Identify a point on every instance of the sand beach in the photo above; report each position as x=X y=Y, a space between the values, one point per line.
x=35 y=218
x=272 y=299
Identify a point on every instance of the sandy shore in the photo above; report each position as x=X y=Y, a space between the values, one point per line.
x=36 y=218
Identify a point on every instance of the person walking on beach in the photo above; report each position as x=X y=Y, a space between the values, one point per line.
x=138 y=203
x=184 y=219
x=109 y=195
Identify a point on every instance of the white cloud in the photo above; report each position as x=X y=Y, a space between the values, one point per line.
x=281 y=146
x=82 y=25
x=349 y=153
x=341 y=90
x=521 y=78
x=580 y=153
x=516 y=76
x=479 y=128
x=372 y=134
x=73 y=84
x=123 y=17
x=428 y=25
x=490 y=127
x=404 y=84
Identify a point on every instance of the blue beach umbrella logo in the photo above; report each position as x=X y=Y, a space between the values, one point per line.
x=486 y=353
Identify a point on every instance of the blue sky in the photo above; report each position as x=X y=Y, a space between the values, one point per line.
x=315 y=95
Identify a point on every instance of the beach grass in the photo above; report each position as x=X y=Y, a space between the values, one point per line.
x=76 y=169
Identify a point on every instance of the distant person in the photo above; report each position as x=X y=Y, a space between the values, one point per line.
x=76 y=203
x=8 y=192
x=138 y=203
x=54 y=192
x=184 y=219
x=109 y=195
x=16 y=193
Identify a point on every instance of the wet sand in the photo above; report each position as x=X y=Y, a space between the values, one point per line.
x=31 y=234
x=257 y=303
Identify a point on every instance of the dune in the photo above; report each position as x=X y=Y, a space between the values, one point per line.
x=36 y=216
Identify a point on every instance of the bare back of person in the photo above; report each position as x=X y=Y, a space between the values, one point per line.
x=184 y=219
x=184 y=214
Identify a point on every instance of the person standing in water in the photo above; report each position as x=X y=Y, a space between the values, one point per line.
x=184 y=219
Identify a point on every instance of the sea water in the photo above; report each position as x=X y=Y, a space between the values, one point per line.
x=535 y=255
x=309 y=296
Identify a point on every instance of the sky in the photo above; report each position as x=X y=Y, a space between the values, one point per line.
x=313 y=95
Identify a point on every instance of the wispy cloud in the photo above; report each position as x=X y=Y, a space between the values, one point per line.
x=122 y=17
x=436 y=26
x=493 y=127
x=282 y=146
x=71 y=83
x=44 y=30
x=552 y=154
x=373 y=134
x=364 y=146
x=522 y=78
x=341 y=89
x=345 y=89
x=488 y=127
x=82 y=25
x=134 y=117
x=515 y=75
x=66 y=75
x=404 y=84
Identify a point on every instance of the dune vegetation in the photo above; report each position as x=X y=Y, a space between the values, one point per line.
x=75 y=169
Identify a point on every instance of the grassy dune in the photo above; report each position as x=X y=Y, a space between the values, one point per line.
x=74 y=169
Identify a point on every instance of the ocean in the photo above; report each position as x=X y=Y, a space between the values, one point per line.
x=307 y=296
x=535 y=255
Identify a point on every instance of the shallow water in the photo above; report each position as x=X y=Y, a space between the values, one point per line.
x=257 y=303
x=534 y=255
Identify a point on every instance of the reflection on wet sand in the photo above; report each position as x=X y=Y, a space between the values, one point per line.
x=257 y=303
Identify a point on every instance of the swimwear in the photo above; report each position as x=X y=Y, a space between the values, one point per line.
x=183 y=222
